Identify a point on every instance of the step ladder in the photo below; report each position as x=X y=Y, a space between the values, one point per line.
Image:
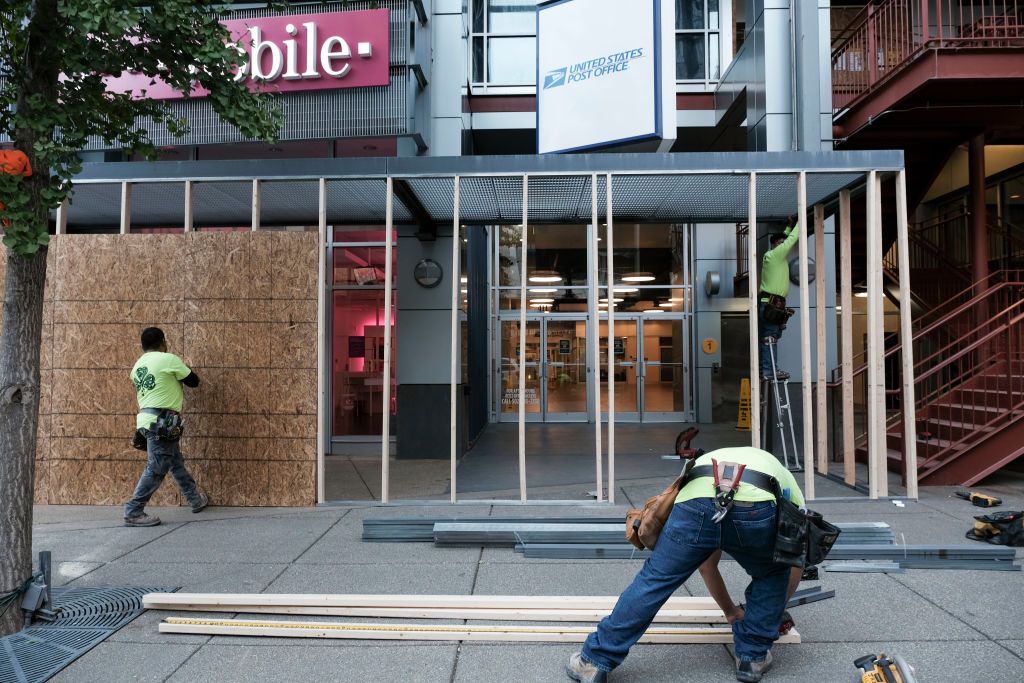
x=783 y=413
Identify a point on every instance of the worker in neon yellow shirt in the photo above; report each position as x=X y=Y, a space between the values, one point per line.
x=771 y=299
x=690 y=537
x=158 y=377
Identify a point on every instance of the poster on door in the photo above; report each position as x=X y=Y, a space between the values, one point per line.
x=564 y=348
x=620 y=347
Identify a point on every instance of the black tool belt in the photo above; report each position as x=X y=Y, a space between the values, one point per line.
x=168 y=425
x=775 y=311
x=763 y=481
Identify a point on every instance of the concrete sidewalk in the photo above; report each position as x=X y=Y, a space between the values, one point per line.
x=951 y=625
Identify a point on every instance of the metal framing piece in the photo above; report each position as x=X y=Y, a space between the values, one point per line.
x=753 y=286
x=455 y=277
x=255 y=204
x=126 y=207
x=805 y=341
x=906 y=337
x=385 y=437
x=593 y=339
x=609 y=253
x=878 y=483
x=846 y=336
x=321 y=332
x=820 y=311
x=522 y=344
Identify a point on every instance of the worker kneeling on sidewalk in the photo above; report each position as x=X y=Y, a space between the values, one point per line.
x=724 y=505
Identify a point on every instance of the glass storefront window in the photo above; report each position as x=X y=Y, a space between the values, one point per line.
x=503 y=42
x=690 y=57
x=556 y=255
x=511 y=60
x=511 y=16
x=361 y=266
x=698 y=47
x=645 y=254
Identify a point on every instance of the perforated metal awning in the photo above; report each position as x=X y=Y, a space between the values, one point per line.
x=656 y=188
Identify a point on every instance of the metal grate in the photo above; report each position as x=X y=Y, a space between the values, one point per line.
x=86 y=617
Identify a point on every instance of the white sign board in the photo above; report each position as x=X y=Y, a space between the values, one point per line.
x=605 y=74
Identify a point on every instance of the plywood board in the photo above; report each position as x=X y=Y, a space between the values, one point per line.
x=292 y=483
x=294 y=264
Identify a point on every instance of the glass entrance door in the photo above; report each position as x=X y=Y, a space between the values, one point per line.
x=652 y=374
x=556 y=370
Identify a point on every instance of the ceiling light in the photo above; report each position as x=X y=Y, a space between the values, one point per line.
x=535 y=305
x=464 y=290
x=545 y=276
x=653 y=310
x=617 y=300
x=639 y=276
x=1012 y=196
x=666 y=304
x=861 y=295
x=463 y=279
x=542 y=301
x=626 y=290
x=543 y=290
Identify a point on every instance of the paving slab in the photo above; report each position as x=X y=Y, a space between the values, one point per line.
x=96 y=545
x=133 y=662
x=200 y=577
x=556 y=578
x=497 y=663
x=405 y=662
x=343 y=543
x=144 y=629
x=1016 y=646
x=988 y=601
x=270 y=539
x=401 y=578
x=66 y=572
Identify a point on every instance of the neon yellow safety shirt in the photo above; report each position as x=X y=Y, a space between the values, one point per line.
x=157 y=378
x=753 y=458
x=775 y=268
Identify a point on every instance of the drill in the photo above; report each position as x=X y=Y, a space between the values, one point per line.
x=979 y=499
x=882 y=669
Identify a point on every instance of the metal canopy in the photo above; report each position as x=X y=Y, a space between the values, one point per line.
x=654 y=188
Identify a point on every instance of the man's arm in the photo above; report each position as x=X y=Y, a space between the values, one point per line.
x=716 y=586
x=192 y=380
x=782 y=251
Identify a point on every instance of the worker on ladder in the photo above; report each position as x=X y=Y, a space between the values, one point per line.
x=772 y=313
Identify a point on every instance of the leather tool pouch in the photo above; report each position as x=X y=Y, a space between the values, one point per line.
x=821 y=536
x=168 y=426
x=775 y=311
x=644 y=525
x=139 y=440
x=790 y=534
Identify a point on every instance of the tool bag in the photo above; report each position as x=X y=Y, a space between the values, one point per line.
x=999 y=528
x=168 y=425
x=775 y=311
x=644 y=525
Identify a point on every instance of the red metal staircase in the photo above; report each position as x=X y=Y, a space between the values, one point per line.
x=968 y=385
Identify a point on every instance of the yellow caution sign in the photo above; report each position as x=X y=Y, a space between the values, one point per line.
x=743 y=420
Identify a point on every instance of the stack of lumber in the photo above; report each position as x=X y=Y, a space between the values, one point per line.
x=691 y=612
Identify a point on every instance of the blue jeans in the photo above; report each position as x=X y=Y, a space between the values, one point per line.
x=162 y=457
x=767 y=329
x=689 y=537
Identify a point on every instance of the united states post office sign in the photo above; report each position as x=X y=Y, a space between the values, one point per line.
x=605 y=74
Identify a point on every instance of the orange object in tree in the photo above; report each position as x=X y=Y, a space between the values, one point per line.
x=13 y=162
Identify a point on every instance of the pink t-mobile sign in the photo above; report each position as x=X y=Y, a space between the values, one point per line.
x=294 y=53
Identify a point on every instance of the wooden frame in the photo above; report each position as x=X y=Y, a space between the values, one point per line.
x=385 y=430
x=846 y=334
x=126 y=208
x=321 y=333
x=522 y=344
x=356 y=631
x=609 y=254
x=456 y=285
x=189 y=205
x=255 y=205
x=62 y=217
x=753 y=288
x=878 y=482
x=593 y=340
x=820 y=313
x=906 y=337
x=807 y=429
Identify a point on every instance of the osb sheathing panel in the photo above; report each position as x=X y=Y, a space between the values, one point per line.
x=240 y=308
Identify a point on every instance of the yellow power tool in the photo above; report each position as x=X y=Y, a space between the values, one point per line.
x=882 y=669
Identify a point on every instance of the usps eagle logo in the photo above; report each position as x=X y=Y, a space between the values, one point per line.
x=555 y=78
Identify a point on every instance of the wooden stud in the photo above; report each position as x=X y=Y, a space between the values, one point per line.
x=820 y=272
x=753 y=287
x=593 y=337
x=231 y=601
x=62 y=217
x=805 y=340
x=609 y=252
x=322 y=364
x=189 y=206
x=522 y=345
x=255 y=204
x=846 y=327
x=126 y=207
x=877 y=466
x=906 y=336
x=385 y=432
x=456 y=286
x=432 y=632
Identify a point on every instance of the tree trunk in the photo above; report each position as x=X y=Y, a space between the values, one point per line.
x=19 y=417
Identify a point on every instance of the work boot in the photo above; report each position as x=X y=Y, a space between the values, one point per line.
x=204 y=500
x=779 y=376
x=583 y=671
x=787 y=623
x=751 y=672
x=142 y=520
